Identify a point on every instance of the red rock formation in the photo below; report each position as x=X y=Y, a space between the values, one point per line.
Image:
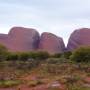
x=51 y=43
x=21 y=39
x=80 y=37
x=26 y=39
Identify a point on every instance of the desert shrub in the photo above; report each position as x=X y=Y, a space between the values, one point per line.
x=53 y=61
x=9 y=83
x=56 y=60
x=67 y=54
x=57 y=55
x=38 y=55
x=23 y=56
x=81 y=54
x=55 y=65
x=12 y=56
x=3 y=52
x=3 y=49
x=25 y=65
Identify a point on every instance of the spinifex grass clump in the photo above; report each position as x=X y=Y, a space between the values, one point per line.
x=9 y=83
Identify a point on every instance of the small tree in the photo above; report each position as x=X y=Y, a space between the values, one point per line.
x=81 y=54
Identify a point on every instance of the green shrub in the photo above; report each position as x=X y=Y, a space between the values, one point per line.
x=81 y=54
x=23 y=56
x=3 y=49
x=3 y=52
x=56 y=60
x=53 y=60
x=67 y=54
x=57 y=55
x=38 y=55
x=9 y=83
x=12 y=56
x=28 y=55
x=54 y=65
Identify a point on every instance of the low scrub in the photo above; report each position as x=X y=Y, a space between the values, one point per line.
x=34 y=83
x=9 y=83
x=81 y=54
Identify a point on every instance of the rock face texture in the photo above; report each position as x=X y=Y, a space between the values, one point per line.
x=80 y=37
x=25 y=39
x=20 y=39
x=51 y=43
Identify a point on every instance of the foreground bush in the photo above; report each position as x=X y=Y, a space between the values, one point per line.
x=82 y=54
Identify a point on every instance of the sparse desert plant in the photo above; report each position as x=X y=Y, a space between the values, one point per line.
x=40 y=55
x=3 y=52
x=34 y=83
x=67 y=54
x=9 y=83
x=57 y=55
x=71 y=81
x=23 y=56
x=88 y=74
x=56 y=60
x=12 y=56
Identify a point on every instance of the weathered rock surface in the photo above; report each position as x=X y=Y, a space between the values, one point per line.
x=27 y=39
x=51 y=43
x=20 y=39
x=80 y=37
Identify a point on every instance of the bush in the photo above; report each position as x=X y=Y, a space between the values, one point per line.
x=12 y=56
x=23 y=56
x=3 y=52
x=81 y=54
x=54 y=61
x=67 y=54
x=9 y=83
x=57 y=55
x=38 y=55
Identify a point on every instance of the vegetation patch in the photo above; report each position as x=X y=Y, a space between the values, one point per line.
x=9 y=83
x=34 y=83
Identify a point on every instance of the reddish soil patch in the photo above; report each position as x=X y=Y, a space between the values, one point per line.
x=87 y=80
x=24 y=86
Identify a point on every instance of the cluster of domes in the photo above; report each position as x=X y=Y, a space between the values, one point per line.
x=27 y=39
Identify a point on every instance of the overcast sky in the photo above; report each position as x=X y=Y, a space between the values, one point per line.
x=60 y=17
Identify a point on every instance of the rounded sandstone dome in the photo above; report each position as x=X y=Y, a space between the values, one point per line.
x=80 y=37
x=23 y=39
x=51 y=43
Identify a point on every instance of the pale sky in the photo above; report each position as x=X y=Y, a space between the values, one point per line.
x=60 y=17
